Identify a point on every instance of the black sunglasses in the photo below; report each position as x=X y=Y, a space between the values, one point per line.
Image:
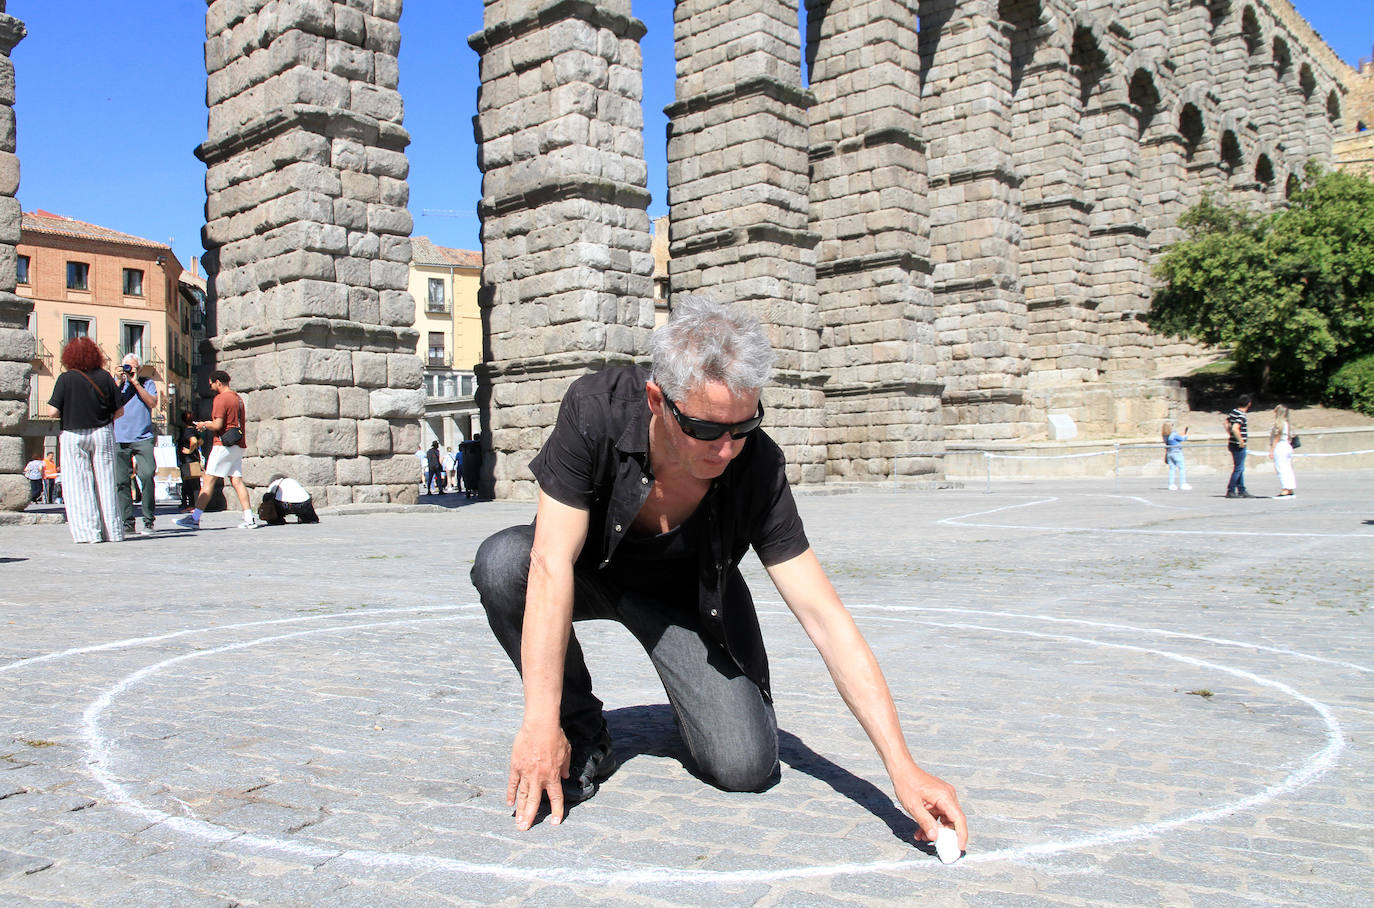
x=705 y=430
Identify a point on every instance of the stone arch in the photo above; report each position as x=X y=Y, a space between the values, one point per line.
x=1264 y=171
x=1307 y=81
x=1021 y=20
x=1088 y=61
x=1232 y=155
x=934 y=17
x=1283 y=59
x=1291 y=186
x=1143 y=90
x=1217 y=11
x=1252 y=32
x=1333 y=107
x=1192 y=127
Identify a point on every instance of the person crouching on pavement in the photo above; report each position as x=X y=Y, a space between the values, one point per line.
x=652 y=487
x=283 y=498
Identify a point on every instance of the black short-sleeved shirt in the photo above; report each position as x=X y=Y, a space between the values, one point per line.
x=81 y=405
x=597 y=460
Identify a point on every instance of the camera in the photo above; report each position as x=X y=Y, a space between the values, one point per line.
x=126 y=369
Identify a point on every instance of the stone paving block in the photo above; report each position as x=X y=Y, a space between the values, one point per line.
x=1064 y=718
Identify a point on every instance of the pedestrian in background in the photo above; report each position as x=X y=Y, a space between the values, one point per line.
x=1237 y=440
x=434 y=469
x=1281 y=450
x=471 y=452
x=1173 y=455
x=134 y=445
x=227 y=421
x=86 y=402
x=50 y=478
x=33 y=472
x=454 y=462
x=188 y=460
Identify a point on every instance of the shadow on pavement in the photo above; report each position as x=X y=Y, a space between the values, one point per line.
x=652 y=731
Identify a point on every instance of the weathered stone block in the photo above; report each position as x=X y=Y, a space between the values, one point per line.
x=397 y=403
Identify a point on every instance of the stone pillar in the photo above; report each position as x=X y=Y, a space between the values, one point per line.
x=16 y=343
x=738 y=188
x=1118 y=240
x=308 y=243
x=868 y=205
x=567 y=269
x=1064 y=346
x=975 y=219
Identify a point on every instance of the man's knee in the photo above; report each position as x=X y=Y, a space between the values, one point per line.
x=502 y=565
x=745 y=766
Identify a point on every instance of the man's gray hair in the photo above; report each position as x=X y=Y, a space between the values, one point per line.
x=705 y=341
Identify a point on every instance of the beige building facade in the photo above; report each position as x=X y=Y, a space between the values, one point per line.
x=122 y=291
x=444 y=284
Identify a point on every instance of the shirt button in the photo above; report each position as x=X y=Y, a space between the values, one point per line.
x=713 y=613
x=644 y=480
x=617 y=528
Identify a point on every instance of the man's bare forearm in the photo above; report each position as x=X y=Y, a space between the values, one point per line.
x=544 y=639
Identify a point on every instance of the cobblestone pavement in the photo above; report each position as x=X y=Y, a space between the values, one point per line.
x=1144 y=697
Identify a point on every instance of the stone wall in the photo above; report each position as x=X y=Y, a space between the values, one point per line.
x=949 y=232
x=16 y=343
x=307 y=243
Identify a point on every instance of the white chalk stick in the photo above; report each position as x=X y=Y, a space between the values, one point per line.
x=947 y=845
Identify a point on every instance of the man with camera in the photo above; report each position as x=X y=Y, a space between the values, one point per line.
x=134 y=438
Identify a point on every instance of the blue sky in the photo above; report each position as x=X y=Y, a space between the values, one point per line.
x=110 y=108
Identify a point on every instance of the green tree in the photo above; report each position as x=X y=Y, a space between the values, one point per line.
x=1291 y=292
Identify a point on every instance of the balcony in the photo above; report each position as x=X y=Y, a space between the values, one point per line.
x=437 y=307
x=439 y=359
x=42 y=356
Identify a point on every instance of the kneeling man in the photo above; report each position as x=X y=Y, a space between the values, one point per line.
x=652 y=487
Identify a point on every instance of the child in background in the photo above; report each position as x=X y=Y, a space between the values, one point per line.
x=1173 y=455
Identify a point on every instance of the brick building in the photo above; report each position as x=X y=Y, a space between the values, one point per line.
x=122 y=291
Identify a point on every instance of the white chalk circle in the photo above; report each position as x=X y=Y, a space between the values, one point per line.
x=99 y=751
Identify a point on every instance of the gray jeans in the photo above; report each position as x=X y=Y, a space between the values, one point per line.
x=729 y=727
x=146 y=466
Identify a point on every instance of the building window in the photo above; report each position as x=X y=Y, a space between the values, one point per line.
x=436 y=349
x=131 y=340
x=133 y=282
x=78 y=327
x=22 y=269
x=467 y=385
x=436 y=295
x=78 y=276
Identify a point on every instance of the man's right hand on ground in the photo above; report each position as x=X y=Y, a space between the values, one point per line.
x=539 y=761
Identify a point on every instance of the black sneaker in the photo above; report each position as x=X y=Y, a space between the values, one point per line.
x=592 y=763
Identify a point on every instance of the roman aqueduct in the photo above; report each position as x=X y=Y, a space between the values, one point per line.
x=948 y=225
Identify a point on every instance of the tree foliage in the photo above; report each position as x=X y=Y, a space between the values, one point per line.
x=1291 y=292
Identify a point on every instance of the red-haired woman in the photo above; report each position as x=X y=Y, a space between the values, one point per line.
x=85 y=399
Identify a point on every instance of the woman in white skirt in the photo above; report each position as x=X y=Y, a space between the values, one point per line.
x=1281 y=450
x=86 y=401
